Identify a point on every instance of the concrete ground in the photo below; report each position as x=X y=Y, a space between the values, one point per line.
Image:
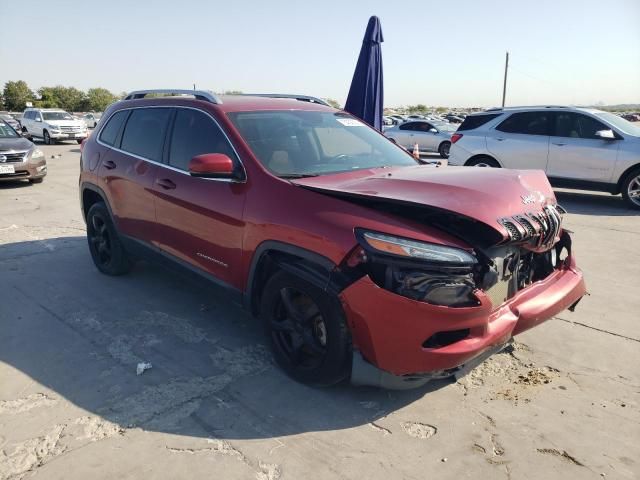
x=562 y=404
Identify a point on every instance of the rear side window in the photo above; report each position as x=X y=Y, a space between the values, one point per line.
x=529 y=123
x=195 y=133
x=475 y=121
x=144 y=132
x=408 y=126
x=110 y=131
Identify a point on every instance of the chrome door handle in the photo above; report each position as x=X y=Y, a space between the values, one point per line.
x=560 y=144
x=500 y=139
x=109 y=165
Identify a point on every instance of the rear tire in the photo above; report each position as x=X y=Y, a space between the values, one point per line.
x=631 y=189
x=444 y=149
x=307 y=330
x=483 y=161
x=107 y=252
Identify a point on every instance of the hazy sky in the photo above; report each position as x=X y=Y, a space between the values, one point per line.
x=435 y=52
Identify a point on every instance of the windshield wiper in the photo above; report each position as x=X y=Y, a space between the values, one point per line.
x=297 y=175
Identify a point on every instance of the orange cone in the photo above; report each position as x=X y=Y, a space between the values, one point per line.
x=416 y=151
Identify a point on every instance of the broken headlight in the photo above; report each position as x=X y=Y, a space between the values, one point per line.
x=422 y=271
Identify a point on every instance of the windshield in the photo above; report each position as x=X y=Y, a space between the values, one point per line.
x=620 y=123
x=6 y=131
x=308 y=143
x=56 y=116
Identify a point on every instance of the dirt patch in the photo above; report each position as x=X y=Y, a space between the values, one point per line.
x=20 y=405
x=419 y=430
x=561 y=454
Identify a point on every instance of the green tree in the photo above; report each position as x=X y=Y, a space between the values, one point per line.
x=333 y=103
x=69 y=98
x=98 y=99
x=16 y=95
x=48 y=98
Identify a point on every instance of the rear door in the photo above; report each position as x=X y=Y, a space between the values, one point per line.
x=576 y=153
x=128 y=171
x=200 y=219
x=405 y=135
x=521 y=140
x=426 y=139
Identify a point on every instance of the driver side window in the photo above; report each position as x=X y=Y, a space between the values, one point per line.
x=195 y=133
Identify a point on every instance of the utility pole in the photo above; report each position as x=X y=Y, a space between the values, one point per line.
x=504 y=86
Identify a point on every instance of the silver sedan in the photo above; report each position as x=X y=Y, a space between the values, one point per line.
x=431 y=136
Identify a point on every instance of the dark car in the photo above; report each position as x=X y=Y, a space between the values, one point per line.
x=360 y=262
x=19 y=158
x=15 y=124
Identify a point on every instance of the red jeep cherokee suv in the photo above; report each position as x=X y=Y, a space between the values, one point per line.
x=361 y=262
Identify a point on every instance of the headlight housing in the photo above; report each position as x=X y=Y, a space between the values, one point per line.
x=37 y=154
x=54 y=127
x=422 y=271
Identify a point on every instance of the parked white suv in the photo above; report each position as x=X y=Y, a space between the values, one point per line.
x=580 y=148
x=52 y=124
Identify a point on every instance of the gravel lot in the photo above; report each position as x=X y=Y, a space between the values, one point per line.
x=564 y=403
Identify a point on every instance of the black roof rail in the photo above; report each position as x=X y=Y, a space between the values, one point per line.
x=301 y=98
x=204 y=95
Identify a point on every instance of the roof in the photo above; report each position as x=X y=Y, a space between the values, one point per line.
x=534 y=108
x=232 y=103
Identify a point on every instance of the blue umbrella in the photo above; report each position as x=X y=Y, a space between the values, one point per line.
x=365 y=98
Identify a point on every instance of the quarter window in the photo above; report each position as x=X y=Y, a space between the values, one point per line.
x=530 y=123
x=194 y=133
x=145 y=131
x=110 y=131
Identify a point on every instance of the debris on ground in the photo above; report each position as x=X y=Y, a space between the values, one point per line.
x=142 y=366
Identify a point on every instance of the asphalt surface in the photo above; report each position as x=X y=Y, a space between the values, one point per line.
x=562 y=404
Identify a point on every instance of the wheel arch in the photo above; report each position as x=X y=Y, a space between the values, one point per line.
x=271 y=256
x=90 y=195
x=623 y=176
x=482 y=155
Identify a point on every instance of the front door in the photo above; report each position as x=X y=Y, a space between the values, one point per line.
x=199 y=219
x=522 y=140
x=576 y=153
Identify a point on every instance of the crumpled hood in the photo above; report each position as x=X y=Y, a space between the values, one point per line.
x=483 y=194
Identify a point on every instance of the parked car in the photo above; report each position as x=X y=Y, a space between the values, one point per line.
x=91 y=119
x=52 y=124
x=430 y=136
x=15 y=124
x=19 y=158
x=453 y=118
x=360 y=262
x=580 y=148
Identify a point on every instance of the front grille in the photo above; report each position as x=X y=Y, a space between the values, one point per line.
x=71 y=129
x=539 y=228
x=13 y=157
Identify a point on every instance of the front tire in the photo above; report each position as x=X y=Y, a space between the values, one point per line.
x=483 y=161
x=631 y=189
x=107 y=251
x=307 y=330
x=444 y=149
x=46 y=137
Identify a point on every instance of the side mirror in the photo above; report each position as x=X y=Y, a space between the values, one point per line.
x=606 y=134
x=433 y=130
x=38 y=119
x=211 y=165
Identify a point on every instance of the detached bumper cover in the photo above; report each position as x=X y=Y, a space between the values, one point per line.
x=389 y=330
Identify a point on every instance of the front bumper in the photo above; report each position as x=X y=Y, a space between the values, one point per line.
x=69 y=135
x=25 y=170
x=389 y=330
